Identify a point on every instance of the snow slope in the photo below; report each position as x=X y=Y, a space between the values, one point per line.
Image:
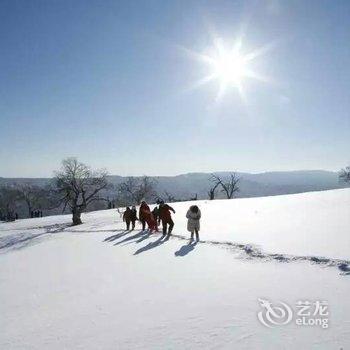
x=97 y=286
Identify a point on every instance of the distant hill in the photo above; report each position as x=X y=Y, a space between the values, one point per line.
x=186 y=186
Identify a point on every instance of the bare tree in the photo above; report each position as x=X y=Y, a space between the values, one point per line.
x=229 y=187
x=35 y=197
x=344 y=175
x=133 y=190
x=9 y=198
x=212 y=190
x=78 y=186
x=128 y=189
x=146 y=189
x=169 y=197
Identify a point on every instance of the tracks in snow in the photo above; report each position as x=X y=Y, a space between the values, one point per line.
x=254 y=252
x=247 y=251
x=22 y=239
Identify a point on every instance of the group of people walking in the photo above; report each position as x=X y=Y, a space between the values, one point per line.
x=9 y=216
x=161 y=215
x=36 y=214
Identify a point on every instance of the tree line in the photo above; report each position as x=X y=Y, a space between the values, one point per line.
x=76 y=187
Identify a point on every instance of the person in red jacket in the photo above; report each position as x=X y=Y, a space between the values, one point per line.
x=145 y=215
x=165 y=216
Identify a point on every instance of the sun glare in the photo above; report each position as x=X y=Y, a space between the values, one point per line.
x=230 y=66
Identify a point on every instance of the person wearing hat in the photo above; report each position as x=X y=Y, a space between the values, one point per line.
x=193 y=217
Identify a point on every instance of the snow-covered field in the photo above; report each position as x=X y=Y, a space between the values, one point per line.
x=97 y=286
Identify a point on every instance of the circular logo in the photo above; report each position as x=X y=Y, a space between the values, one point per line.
x=274 y=315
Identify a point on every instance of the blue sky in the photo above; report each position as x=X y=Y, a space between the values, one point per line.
x=109 y=83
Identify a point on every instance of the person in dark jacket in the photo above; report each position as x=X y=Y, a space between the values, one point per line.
x=164 y=213
x=133 y=217
x=155 y=213
x=143 y=214
x=127 y=217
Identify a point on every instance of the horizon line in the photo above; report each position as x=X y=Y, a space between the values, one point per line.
x=190 y=173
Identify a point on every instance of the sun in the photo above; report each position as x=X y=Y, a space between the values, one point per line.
x=229 y=66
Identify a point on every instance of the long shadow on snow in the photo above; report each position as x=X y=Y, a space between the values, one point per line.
x=94 y=231
x=22 y=240
x=185 y=249
x=250 y=251
x=130 y=238
x=161 y=240
x=117 y=236
x=50 y=228
x=145 y=236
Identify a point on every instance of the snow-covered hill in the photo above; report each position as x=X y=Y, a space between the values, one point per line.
x=97 y=286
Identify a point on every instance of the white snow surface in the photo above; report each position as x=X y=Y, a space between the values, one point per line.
x=96 y=286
